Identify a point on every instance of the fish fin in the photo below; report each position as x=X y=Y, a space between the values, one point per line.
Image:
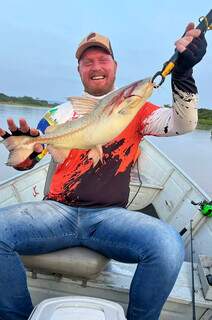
x=86 y=102
x=18 y=155
x=96 y=154
x=83 y=105
x=59 y=155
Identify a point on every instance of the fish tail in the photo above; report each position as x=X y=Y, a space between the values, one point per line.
x=14 y=142
x=19 y=147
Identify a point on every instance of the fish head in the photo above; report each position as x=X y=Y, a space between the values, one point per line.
x=130 y=97
x=141 y=89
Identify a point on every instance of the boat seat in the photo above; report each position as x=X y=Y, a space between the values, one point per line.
x=77 y=262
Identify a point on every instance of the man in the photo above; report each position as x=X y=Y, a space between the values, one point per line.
x=86 y=205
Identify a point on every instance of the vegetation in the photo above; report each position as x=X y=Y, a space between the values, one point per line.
x=27 y=101
x=204 y=118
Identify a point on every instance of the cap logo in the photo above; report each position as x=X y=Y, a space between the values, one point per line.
x=92 y=35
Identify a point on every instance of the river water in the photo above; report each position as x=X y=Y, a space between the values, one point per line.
x=192 y=152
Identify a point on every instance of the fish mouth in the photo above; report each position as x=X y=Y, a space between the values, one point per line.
x=145 y=94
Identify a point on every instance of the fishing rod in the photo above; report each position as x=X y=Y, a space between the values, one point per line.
x=192 y=274
x=205 y=208
x=204 y=25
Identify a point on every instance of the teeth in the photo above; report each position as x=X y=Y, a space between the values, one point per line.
x=97 y=77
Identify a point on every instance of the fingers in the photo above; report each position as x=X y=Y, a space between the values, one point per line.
x=191 y=33
x=38 y=148
x=182 y=43
x=23 y=125
x=24 y=128
x=34 y=132
x=4 y=134
x=190 y=26
x=11 y=125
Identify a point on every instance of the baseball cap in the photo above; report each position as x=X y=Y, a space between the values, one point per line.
x=94 y=39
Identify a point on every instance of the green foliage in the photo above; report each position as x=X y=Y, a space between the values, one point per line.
x=205 y=114
x=204 y=119
x=29 y=101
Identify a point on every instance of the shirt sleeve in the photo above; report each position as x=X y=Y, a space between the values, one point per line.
x=181 y=117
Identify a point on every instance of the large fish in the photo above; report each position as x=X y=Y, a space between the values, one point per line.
x=108 y=118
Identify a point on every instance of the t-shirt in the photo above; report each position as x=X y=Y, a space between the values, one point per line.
x=77 y=182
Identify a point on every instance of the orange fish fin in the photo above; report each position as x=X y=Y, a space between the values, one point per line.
x=96 y=154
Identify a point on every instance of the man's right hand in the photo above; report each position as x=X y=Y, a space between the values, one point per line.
x=23 y=129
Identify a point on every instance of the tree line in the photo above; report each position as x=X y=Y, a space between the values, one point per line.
x=29 y=101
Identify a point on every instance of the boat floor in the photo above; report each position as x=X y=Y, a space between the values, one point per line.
x=113 y=284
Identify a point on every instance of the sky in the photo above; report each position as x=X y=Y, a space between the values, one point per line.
x=39 y=39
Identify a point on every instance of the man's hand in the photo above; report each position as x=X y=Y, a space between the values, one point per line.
x=24 y=129
x=191 y=48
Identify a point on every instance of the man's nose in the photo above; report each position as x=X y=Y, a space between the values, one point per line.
x=96 y=65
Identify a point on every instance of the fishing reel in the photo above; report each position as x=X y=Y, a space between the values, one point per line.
x=205 y=207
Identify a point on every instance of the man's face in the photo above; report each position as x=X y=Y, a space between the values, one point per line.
x=97 y=70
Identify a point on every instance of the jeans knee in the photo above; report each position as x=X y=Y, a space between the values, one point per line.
x=170 y=248
x=165 y=246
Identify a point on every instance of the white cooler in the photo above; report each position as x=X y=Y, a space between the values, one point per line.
x=77 y=308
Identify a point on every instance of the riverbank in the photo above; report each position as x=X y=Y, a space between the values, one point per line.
x=205 y=119
x=25 y=101
x=203 y=126
x=18 y=105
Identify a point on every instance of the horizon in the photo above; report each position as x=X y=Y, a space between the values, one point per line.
x=40 y=39
x=60 y=102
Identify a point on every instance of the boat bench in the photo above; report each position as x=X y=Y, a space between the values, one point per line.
x=77 y=262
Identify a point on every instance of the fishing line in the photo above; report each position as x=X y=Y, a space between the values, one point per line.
x=139 y=187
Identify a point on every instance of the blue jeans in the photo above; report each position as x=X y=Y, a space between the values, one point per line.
x=126 y=236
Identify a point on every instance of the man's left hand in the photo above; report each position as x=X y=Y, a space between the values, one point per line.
x=191 y=48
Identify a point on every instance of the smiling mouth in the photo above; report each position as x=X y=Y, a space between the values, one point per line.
x=97 y=77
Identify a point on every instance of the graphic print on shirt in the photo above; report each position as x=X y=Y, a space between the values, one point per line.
x=78 y=183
